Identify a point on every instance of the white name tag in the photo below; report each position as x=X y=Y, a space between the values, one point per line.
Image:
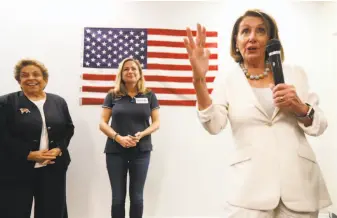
x=142 y=101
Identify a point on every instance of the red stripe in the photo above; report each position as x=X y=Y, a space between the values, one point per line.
x=174 y=55
x=176 y=67
x=175 y=91
x=171 y=32
x=177 y=44
x=99 y=101
x=99 y=77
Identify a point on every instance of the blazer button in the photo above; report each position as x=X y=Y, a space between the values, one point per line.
x=34 y=140
x=49 y=128
x=51 y=142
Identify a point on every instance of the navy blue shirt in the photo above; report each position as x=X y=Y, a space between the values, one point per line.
x=129 y=116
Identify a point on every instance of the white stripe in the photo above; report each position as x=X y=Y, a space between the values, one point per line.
x=148 y=72
x=148 y=84
x=176 y=38
x=176 y=61
x=174 y=50
x=159 y=96
x=274 y=53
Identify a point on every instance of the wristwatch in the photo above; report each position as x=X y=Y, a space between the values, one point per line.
x=310 y=113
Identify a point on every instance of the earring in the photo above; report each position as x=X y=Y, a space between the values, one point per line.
x=237 y=50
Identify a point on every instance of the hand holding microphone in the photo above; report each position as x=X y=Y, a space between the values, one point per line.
x=284 y=95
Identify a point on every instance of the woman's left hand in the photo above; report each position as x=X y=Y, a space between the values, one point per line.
x=286 y=98
x=138 y=136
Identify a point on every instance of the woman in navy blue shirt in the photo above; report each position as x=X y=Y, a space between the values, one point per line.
x=129 y=105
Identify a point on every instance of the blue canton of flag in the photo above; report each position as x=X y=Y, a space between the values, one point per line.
x=107 y=47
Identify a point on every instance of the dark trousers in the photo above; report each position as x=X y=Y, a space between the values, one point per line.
x=47 y=186
x=118 y=165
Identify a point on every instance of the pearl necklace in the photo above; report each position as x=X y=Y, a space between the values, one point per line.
x=255 y=77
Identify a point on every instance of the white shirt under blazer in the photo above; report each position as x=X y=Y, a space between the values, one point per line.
x=272 y=158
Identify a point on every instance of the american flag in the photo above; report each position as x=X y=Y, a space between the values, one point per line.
x=161 y=53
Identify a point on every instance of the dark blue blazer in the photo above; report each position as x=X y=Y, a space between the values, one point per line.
x=20 y=133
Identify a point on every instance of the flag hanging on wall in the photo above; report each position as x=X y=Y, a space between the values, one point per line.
x=161 y=52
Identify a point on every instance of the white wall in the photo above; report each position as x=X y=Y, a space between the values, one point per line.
x=187 y=176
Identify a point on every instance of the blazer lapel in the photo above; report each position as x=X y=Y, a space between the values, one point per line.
x=249 y=93
x=26 y=106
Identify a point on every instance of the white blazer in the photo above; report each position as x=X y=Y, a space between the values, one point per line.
x=273 y=158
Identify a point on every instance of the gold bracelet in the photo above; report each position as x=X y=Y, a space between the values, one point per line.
x=115 y=136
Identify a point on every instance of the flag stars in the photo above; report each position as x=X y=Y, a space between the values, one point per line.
x=105 y=48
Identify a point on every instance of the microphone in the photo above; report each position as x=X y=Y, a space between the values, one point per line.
x=273 y=49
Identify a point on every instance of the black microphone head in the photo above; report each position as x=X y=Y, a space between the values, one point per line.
x=273 y=45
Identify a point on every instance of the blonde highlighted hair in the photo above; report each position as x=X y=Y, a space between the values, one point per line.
x=120 y=89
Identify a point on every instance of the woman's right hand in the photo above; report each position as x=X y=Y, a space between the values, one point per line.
x=126 y=141
x=198 y=55
x=40 y=156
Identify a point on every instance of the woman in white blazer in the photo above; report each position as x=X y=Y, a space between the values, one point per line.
x=274 y=172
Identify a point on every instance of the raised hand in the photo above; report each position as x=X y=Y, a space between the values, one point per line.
x=198 y=55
